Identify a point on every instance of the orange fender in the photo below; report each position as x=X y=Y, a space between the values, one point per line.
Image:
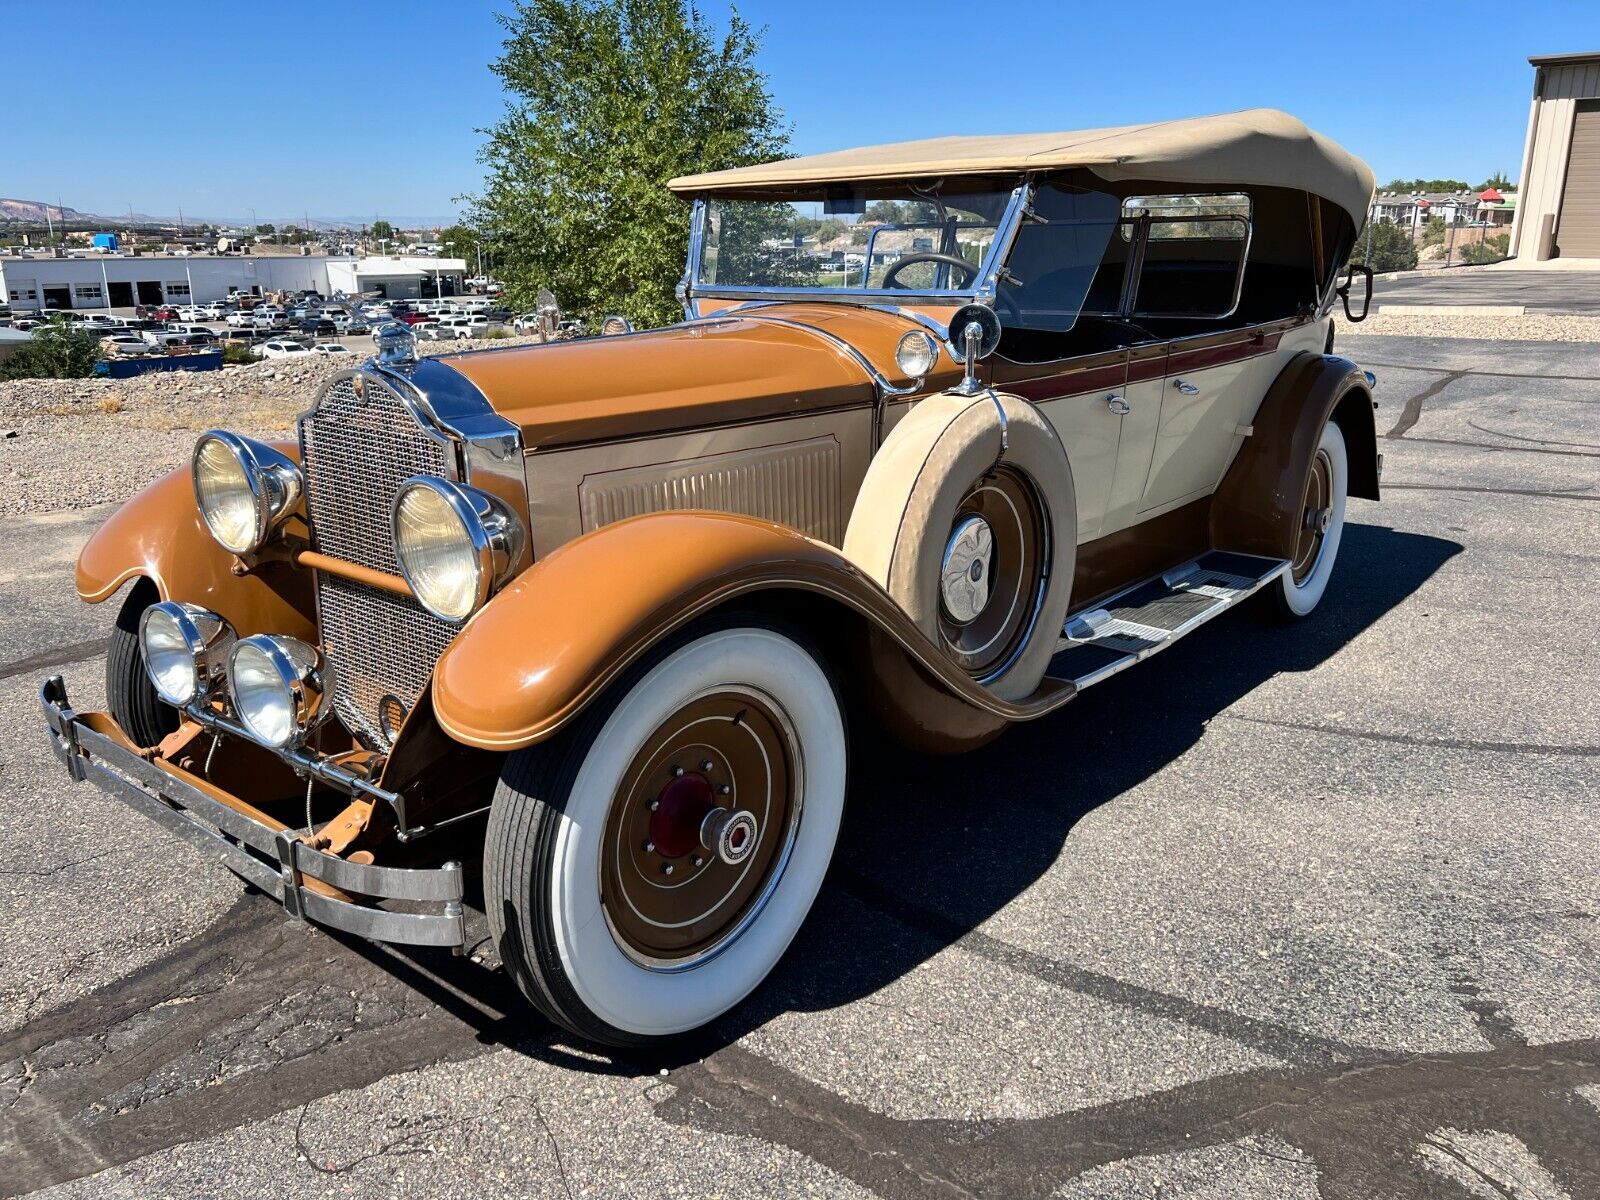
x=570 y=624
x=160 y=535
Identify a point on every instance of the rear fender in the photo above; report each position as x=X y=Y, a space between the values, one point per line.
x=159 y=534
x=1256 y=509
x=569 y=625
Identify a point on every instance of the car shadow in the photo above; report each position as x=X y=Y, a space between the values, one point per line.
x=974 y=831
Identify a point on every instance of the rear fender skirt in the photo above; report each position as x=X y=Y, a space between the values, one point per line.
x=1257 y=506
x=160 y=535
x=556 y=637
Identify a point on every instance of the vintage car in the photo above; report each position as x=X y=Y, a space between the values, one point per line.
x=951 y=430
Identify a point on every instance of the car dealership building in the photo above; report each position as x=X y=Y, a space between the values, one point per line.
x=91 y=280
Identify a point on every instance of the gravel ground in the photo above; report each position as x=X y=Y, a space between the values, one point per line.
x=119 y=434
x=1530 y=327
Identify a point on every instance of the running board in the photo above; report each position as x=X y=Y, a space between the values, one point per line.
x=1134 y=624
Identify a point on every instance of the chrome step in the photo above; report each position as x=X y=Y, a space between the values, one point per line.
x=1099 y=642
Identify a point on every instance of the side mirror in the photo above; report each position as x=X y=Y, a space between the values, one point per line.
x=975 y=333
x=1343 y=292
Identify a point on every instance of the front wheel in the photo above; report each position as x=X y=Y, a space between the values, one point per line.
x=1299 y=589
x=646 y=869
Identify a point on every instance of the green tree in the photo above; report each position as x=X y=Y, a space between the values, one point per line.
x=1498 y=181
x=463 y=243
x=382 y=231
x=608 y=99
x=1425 y=185
x=1391 y=248
x=55 y=351
x=1433 y=231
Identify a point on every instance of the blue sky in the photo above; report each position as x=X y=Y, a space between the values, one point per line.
x=349 y=108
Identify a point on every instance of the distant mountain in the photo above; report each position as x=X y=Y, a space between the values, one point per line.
x=32 y=212
x=36 y=210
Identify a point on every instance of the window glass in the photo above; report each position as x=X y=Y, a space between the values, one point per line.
x=1064 y=262
x=1193 y=254
x=877 y=239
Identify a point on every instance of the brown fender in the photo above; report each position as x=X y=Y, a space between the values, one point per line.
x=574 y=621
x=160 y=535
x=1257 y=506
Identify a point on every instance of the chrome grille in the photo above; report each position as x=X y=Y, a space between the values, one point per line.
x=380 y=644
x=356 y=448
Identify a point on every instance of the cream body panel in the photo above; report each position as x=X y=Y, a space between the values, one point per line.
x=804 y=472
x=1090 y=432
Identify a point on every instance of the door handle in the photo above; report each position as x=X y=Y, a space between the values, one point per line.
x=1118 y=405
x=1185 y=387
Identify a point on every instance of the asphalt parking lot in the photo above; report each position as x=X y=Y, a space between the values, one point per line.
x=1552 y=293
x=1281 y=913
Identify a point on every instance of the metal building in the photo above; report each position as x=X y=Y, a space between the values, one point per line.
x=1558 y=215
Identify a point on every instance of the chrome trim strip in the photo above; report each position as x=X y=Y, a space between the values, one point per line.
x=215 y=828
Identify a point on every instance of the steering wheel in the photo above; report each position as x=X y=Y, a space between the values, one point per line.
x=951 y=260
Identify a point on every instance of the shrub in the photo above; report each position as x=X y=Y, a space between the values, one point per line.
x=237 y=354
x=1489 y=251
x=1433 y=232
x=496 y=332
x=1391 y=248
x=55 y=351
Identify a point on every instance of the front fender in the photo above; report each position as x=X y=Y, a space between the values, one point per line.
x=533 y=657
x=160 y=535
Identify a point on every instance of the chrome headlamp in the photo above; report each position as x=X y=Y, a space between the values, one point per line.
x=281 y=687
x=185 y=650
x=245 y=490
x=455 y=544
x=915 y=354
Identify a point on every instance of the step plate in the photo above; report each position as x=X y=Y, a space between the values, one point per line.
x=1134 y=624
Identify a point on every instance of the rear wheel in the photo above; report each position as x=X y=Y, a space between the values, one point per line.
x=645 y=870
x=1321 y=527
x=130 y=695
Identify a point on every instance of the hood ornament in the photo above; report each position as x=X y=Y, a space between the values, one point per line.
x=397 y=346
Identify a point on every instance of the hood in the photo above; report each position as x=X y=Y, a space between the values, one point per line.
x=713 y=371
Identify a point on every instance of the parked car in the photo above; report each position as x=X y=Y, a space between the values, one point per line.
x=162 y=312
x=241 y=319
x=415 y=318
x=215 y=310
x=345 y=323
x=127 y=345
x=460 y=326
x=318 y=327
x=614 y=673
x=429 y=331
x=334 y=348
x=192 y=312
x=282 y=348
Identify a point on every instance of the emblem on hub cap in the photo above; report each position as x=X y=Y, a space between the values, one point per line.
x=964 y=574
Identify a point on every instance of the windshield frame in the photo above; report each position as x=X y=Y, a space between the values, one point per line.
x=982 y=290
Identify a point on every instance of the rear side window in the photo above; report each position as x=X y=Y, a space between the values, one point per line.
x=1191 y=251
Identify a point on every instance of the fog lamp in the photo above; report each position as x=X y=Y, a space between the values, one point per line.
x=185 y=650
x=279 y=687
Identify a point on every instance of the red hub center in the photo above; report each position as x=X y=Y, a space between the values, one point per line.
x=681 y=807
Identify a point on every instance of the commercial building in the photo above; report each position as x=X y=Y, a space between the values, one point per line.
x=53 y=280
x=1558 y=214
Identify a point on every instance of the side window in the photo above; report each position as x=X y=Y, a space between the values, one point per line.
x=1193 y=251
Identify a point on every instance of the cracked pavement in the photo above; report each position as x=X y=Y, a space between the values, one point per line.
x=1303 y=912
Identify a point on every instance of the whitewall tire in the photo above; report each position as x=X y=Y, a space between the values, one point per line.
x=647 y=869
x=1299 y=590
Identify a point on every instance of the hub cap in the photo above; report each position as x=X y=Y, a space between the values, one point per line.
x=700 y=829
x=993 y=573
x=1315 y=517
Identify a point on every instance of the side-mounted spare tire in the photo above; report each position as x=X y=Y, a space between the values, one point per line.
x=968 y=518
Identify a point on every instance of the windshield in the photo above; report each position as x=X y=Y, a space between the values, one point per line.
x=889 y=238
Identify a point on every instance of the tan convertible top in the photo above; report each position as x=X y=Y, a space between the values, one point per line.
x=1257 y=146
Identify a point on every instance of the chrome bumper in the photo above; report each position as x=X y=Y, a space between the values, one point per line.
x=276 y=861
